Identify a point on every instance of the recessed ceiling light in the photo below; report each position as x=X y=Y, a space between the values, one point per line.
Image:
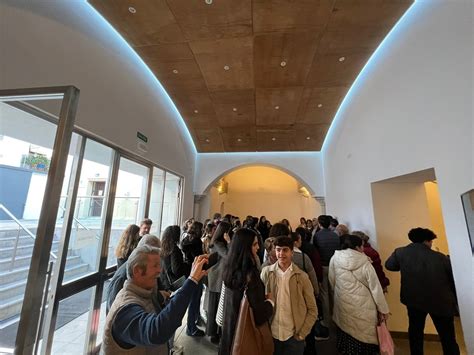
x=320 y=105
x=196 y=111
x=239 y=140
x=226 y=67
x=283 y=64
x=274 y=139
x=175 y=71
x=234 y=109
x=277 y=107
x=132 y=10
x=308 y=138
x=207 y=140
x=209 y=2
x=341 y=59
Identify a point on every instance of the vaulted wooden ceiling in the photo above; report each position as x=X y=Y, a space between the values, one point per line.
x=261 y=75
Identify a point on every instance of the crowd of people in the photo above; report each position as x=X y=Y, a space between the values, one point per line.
x=302 y=284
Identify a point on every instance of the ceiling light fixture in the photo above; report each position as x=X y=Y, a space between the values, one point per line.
x=196 y=111
x=132 y=10
x=234 y=109
x=308 y=138
x=226 y=67
x=274 y=139
x=239 y=140
x=283 y=64
x=320 y=105
x=341 y=59
x=175 y=71
x=209 y=2
x=277 y=107
x=207 y=140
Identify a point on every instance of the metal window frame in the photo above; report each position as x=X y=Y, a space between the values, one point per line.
x=30 y=312
x=103 y=273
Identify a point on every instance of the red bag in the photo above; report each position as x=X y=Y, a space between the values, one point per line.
x=385 y=339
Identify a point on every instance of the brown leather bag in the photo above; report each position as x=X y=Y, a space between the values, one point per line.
x=250 y=339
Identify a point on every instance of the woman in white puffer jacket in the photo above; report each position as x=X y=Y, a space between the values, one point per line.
x=358 y=298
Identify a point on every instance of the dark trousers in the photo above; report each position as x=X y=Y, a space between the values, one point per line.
x=444 y=327
x=288 y=347
x=211 y=326
x=193 y=310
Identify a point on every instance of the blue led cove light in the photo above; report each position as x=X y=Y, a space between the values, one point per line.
x=402 y=25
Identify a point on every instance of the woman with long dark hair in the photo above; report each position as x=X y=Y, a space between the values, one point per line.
x=191 y=246
x=172 y=263
x=219 y=245
x=127 y=242
x=240 y=273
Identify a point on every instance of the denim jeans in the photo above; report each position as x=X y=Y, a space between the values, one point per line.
x=194 y=310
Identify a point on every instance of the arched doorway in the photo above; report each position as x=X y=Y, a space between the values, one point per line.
x=259 y=190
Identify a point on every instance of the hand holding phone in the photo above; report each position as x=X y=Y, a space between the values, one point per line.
x=213 y=259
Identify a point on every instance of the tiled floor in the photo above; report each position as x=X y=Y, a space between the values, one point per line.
x=202 y=346
x=69 y=340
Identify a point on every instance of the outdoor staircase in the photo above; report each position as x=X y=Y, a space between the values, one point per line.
x=13 y=277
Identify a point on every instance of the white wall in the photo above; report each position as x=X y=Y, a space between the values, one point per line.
x=262 y=191
x=398 y=207
x=410 y=110
x=54 y=43
x=306 y=167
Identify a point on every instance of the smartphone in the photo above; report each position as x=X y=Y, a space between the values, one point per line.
x=213 y=259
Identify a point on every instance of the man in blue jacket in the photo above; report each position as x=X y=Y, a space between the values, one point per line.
x=132 y=325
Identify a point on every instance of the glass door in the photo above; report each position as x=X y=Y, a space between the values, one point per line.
x=33 y=160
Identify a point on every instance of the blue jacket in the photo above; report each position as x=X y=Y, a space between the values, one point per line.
x=135 y=327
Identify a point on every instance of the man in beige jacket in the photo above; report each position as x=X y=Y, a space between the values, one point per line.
x=295 y=306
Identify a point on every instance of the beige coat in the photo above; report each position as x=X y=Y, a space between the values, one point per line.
x=357 y=295
x=303 y=303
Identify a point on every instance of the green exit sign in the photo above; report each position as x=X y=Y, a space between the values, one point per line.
x=142 y=137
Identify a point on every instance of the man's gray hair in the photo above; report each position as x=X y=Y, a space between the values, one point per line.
x=151 y=240
x=139 y=257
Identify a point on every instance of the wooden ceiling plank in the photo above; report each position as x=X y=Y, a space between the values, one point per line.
x=286 y=15
x=221 y=19
x=152 y=22
x=226 y=64
x=277 y=106
x=283 y=59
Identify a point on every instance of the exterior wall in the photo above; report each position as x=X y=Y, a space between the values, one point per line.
x=53 y=43
x=410 y=110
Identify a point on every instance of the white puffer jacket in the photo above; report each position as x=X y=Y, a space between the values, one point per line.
x=357 y=295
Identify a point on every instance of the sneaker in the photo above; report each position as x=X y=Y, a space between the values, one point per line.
x=196 y=333
x=321 y=332
x=177 y=350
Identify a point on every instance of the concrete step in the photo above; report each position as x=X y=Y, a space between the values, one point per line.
x=9 y=242
x=22 y=261
x=13 y=232
x=11 y=295
x=23 y=250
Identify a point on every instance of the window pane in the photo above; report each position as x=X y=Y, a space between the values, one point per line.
x=171 y=200
x=89 y=212
x=156 y=202
x=26 y=143
x=72 y=323
x=130 y=199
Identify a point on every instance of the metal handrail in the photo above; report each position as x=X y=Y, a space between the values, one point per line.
x=79 y=223
x=30 y=234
